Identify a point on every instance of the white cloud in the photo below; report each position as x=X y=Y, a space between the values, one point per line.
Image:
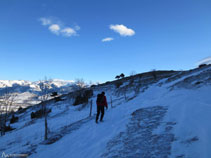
x=107 y=39
x=68 y=32
x=45 y=21
x=205 y=61
x=77 y=27
x=122 y=30
x=57 y=27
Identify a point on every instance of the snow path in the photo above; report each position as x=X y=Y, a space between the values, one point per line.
x=67 y=130
x=138 y=140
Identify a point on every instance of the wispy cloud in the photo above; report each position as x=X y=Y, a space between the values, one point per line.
x=122 y=30
x=45 y=21
x=56 y=27
x=205 y=61
x=68 y=32
x=76 y=27
x=108 y=39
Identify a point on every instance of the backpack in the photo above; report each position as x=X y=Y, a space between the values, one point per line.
x=100 y=99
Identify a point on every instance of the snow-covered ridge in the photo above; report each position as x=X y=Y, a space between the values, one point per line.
x=9 y=83
x=56 y=82
x=22 y=86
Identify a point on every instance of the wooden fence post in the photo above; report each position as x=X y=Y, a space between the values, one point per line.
x=111 y=101
x=90 y=114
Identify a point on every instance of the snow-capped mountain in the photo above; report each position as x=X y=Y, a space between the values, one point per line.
x=34 y=86
x=28 y=92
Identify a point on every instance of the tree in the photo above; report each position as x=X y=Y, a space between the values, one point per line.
x=6 y=103
x=202 y=65
x=132 y=73
x=117 y=77
x=122 y=75
x=80 y=83
x=45 y=93
x=153 y=72
x=90 y=83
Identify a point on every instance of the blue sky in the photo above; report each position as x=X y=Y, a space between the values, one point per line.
x=64 y=38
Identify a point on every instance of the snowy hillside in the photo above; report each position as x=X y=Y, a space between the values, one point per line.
x=167 y=115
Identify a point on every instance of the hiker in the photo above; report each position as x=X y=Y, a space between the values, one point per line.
x=101 y=103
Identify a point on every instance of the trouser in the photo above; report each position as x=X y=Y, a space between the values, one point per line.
x=100 y=109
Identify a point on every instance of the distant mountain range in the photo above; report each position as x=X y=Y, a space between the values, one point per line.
x=28 y=92
x=25 y=86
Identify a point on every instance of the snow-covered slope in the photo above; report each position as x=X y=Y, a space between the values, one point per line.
x=167 y=117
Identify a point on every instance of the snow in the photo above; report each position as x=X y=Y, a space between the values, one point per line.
x=180 y=117
x=193 y=116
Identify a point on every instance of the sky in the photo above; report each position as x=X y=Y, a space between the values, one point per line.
x=99 y=39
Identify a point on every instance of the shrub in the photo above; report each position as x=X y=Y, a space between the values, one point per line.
x=39 y=113
x=57 y=99
x=118 y=84
x=53 y=94
x=93 y=86
x=197 y=83
x=8 y=128
x=108 y=82
x=21 y=110
x=117 y=77
x=122 y=75
x=83 y=97
x=202 y=65
x=13 y=119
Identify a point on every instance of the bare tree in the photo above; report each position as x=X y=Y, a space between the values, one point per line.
x=45 y=93
x=6 y=103
x=136 y=89
x=153 y=72
x=125 y=92
x=80 y=83
x=132 y=73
